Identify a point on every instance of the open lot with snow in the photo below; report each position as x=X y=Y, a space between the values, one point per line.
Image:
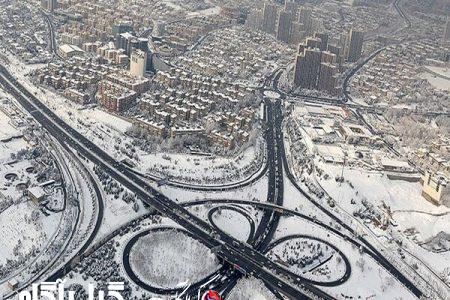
x=309 y=258
x=171 y=258
x=414 y=219
x=250 y=289
x=363 y=268
x=232 y=222
x=24 y=230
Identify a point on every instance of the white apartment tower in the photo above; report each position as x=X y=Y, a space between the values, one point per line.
x=138 y=63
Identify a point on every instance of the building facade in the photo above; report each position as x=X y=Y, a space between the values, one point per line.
x=284 y=26
x=447 y=31
x=269 y=17
x=436 y=189
x=138 y=63
x=355 y=43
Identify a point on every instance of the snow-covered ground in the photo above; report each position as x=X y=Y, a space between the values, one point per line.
x=436 y=81
x=233 y=223
x=23 y=227
x=169 y=259
x=367 y=278
x=256 y=191
x=6 y=129
x=20 y=235
x=11 y=147
x=28 y=232
x=194 y=168
x=205 y=13
x=441 y=71
x=117 y=212
x=391 y=214
x=309 y=258
x=272 y=94
x=239 y=221
x=250 y=289
x=409 y=208
x=415 y=219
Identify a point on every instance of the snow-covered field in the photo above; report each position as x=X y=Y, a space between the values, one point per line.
x=309 y=258
x=116 y=213
x=6 y=129
x=233 y=223
x=392 y=214
x=178 y=256
x=367 y=278
x=23 y=230
x=205 y=13
x=169 y=259
x=437 y=82
x=200 y=168
x=409 y=208
x=250 y=289
x=415 y=219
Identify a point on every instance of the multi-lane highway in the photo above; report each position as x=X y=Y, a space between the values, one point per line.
x=377 y=255
x=249 y=256
x=402 y=14
x=231 y=250
x=52 y=39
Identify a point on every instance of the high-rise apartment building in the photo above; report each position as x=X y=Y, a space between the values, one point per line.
x=291 y=7
x=52 y=5
x=284 y=26
x=316 y=69
x=327 y=78
x=122 y=27
x=138 y=63
x=159 y=29
x=297 y=32
x=142 y=44
x=355 y=43
x=123 y=41
x=323 y=40
x=328 y=57
x=447 y=30
x=307 y=67
x=304 y=17
x=269 y=17
x=336 y=50
x=313 y=42
x=343 y=38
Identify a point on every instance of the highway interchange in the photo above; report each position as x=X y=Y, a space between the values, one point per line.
x=232 y=251
x=250 y=255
